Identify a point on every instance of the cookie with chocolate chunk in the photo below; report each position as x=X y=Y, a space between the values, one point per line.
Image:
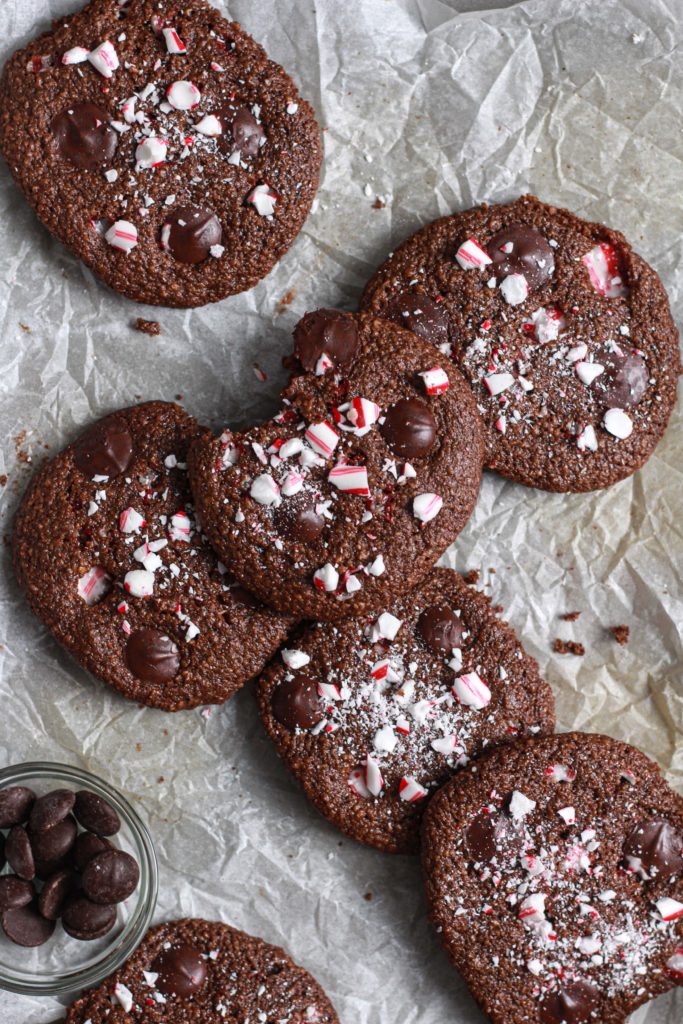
x=161 y=145
x=554 y=872
x=347 y=498
x=564 y=333
x=371 y=716
x=204 y=971
x=111 y=557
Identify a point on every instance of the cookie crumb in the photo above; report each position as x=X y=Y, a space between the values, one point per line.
x=3 y=480
x=378 y=204
x=286 y=300
x=620 y=634
x=569 y=647
x=471 y=577
x=570 y=616
x=147 y=326
x=368 y=896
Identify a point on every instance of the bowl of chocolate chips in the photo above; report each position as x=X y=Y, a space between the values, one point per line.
x=78 y=879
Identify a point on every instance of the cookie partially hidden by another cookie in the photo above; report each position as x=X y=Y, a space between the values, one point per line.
x=161 y=145
x=203 y=971
x=564 y=333
x=110 y=556
x=554 y=871
x=371 y=716
x=347 y=497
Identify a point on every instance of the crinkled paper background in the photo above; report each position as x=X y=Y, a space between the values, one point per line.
x=432 y=106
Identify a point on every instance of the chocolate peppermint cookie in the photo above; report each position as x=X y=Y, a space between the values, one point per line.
x=111 y=558
x=202 y=971
x=564 y=333
x=161 y=145
x=352 y=492
x=554 y=870
x=372 y=715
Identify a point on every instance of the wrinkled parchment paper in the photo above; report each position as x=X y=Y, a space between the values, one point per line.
x=431 y=106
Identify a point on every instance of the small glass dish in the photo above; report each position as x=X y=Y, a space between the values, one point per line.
x=64 y=965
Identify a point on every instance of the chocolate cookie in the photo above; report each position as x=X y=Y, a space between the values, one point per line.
x=202 y=971
x=554 y=871
x=352 y=492
x=372 y=716
x=564 y=333
x=111 y=558
x=162 y=146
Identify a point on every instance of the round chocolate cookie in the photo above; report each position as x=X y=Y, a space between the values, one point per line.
x=564 y=333
x=371 y=716
x=111 y=558
x=554 y=872
x=201 y=971
x=352 y=492
x=161 y=145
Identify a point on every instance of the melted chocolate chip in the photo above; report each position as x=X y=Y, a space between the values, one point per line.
x=95 y=814
x=625 y=378
x=82 y=919
x=520 y=249
x=654 y=848
x=84 y=137
x=152 y=656
x=298 y=523
x=26 y=926
x=493 y=835
x=246 y=133
x=106 y=449
x=50 y=809
x=181 y=970
x=329 y=331
x=409 y=428
x=296 y=704
x=440 y=629
x=573 y=1004
x=189 y=234
x=110 y=877
x=421 y=315
x=15 y=805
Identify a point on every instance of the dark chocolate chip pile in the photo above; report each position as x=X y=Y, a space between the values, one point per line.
x=57 y=870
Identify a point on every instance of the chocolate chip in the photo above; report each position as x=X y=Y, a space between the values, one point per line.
x=54 y=843
x=15 y=892
x=95 y=814
x=84 y=137
x=106 y=449
x=19 y=854
x=82 y=919
x=296 y=704
x=440 y=629
x=110 y=877
x=245 y=134
x=654 y=848
x=50 y=809
x=190 y=233
x=54 y=894
x=329 y=331
x=26 y=927
x=181 y=970
x=298 y=522
x=625 y=378
x=86 y=847
x=492 y=835
x=520 y=249
x=575 y=1003
x=15 y=805
x=421 y=315
x=152 y=656
x=409 y=428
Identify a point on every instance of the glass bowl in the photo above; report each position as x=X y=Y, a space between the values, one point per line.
x=64 y=965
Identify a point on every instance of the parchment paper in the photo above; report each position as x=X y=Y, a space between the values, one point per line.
x=432 y=110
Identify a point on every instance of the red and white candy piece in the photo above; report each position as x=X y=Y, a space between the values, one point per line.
x=323 y=365
x=174 y=43
x=128 y=110
x=387 y=626
x=385 y=739
x=291 y=483
x=560 y=773
x=122 y=235
x=326 y=578
x=356 y=781
x=322 y=438
x=471 y=256
x=76 y=55
x=123 y=996
x=587 y=439
x=604 y=271
x=183 y=95
x=669 y=909
x=618 y=423
x=383 y=670
x=330 y=691
x=180 y=528
x=104 y=59
x=410 y=790
x=377 y=566
x=547 y=323
x=471 y=690
x=675 y=963
x=514 y=288
x=139 y=583
x=151 y=152
x=435 y=380
x=577 y=352
x=352 y=479
x=498 y=382
x=263 y=199
x=131 y=521
x=568 y=815
x=588 y=372
x=427 y=506
x=363 y=414
x=520 y=805
x=445 y=744
x=264 y=490
x=532 y=909
x=372 y=776
x=209 y=126
x=94 y=585
x=294 y=658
